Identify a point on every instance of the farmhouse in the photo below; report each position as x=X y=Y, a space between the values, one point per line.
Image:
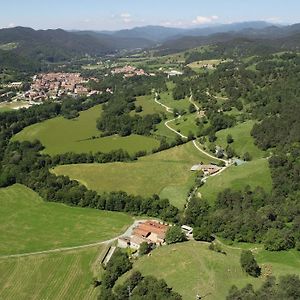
x=207 y=169
x=151 y=232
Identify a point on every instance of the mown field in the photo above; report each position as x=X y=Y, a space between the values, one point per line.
x=165 y=173
x=60 y=135
x=9 y=106
x=65 y=275
x=28 y=224
x=254 y=173
x=243 y=141
x=190 y=268
x=202 y=63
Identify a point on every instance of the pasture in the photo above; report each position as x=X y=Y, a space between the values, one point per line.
x=80 y=135
x=243 y=141
x=166 y=173
x=254 y=173
x=148 y=105
x=190 y=268
x=9 y=106
x=211 y=63
x=29 y=224
x=65 y=275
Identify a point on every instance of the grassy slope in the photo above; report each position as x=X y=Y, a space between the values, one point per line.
x=60 y=135
x=148 y=105
x=65 y=275
x=243 y=140
x=29 y=224
x=254 y=173
x=191 y=269
x=166 y=173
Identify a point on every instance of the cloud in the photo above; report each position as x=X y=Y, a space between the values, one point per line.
x=10 y=25
x=204 y=20
x=126 y=17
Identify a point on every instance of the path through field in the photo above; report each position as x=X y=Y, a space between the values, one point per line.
x=170 y=110
x=126 y=233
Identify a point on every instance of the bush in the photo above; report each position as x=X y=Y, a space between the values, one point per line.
x=203 y=234
x=175 y=235
x=249 y=264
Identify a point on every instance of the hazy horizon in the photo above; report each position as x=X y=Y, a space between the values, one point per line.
x=126 y=14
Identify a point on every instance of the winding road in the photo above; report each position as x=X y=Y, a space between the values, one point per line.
x=170 y=110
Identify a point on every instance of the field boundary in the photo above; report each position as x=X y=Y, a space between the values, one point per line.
x=126 y=233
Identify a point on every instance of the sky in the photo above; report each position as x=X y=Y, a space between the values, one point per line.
x=119 y=14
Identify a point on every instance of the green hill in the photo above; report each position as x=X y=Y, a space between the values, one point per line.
x=166 y=173
x=190 y=268
x=28 y=224
x=60 y=135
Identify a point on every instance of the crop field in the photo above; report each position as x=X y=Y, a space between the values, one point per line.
x=254 y=173
x=65 y=275
x=191 y=268
x=29 y=224
x=243 y=141
x=165 y=173
x=60 y=135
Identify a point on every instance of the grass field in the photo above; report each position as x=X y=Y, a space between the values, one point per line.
x=9 y=106
x=191 y=268
x=165 y=173
x=254 y=173
x=186 y=124
x=60 y=135
x=29 y=224
x=203 y=63
x=243 y=141
x=65 y=275
x=148 y=105
x=166 y=98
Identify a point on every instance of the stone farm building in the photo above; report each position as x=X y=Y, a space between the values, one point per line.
x=151 y=232
x=207 y=169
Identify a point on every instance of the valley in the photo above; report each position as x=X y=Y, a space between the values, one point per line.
x=150 y=163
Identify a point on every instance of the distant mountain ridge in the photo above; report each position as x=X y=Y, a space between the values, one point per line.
x=57 y=45
x=161 y=33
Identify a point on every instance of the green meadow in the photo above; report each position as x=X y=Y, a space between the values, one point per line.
x=148 y=105
x=243 y=141
x=166 y=173
x=254 y=173
x=64 y=275
x=190 y=268
x=29 y=224
x=80 y=135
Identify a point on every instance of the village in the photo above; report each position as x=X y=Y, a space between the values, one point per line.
x=55 y=85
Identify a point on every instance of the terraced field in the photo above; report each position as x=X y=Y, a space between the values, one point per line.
x=60 y=135
x=165 y=173
x=65 y=275
x=28 y=224
x=190 y=268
